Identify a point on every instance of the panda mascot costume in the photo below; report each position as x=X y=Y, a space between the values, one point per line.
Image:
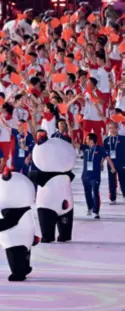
x=53 y=159
x=17 y=231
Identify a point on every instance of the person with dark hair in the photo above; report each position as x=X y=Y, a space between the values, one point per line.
x=93 y=111
x=21 y=111
x=94 y=156
x=62 y=131
x=26 y=23
x=60 y=64
x=42 y=56
x=5 y=136
x=114 y=146
x=82 y=80
x=49 y=120
x=62 y=44
x=34 y=64
x=91 y=59
x=23 y=144
x=71 y=84
x=104 y=71
x=36 y=86
x=70 y=57
x=114 y=55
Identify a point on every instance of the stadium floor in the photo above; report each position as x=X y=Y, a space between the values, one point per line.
x=87 y=274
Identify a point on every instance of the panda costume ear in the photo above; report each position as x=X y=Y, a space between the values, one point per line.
x=41 y=137
x=6 y=174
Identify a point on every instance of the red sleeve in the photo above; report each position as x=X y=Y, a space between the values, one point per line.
x=108 y=69
x=70 y=117
x=92 y=66
x=42 y=70
x=99 y=93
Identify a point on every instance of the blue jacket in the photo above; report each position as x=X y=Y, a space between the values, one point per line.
x=94 y=154
x=117 y=144
x=29 y=142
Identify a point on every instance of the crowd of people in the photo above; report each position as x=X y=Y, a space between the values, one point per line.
x=65 y=76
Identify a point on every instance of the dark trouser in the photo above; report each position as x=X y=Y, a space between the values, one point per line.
x=48 y=220
x=113 y=183
x=92 y=195
x=21 y=167
x=19 y=260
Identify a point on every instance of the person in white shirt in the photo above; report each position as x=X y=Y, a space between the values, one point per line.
x=59 y=67
x=103 y=77
x=5 y=136
x=42 y=56
x=82 y=77
x=48 y=122
x=26 y=23
x=114 y=55
x=93 y=112
x=120 y=98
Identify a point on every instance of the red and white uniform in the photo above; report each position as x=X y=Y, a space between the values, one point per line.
x=59 y=68
x=42 y=61
x=77 y=134
x=93 y=70
x=120 y=100
x=104 y=86
x=115 y=54
x=49 y=124
x=75 y=89
x=21 y=113
x=92 y=120
x=5 y=136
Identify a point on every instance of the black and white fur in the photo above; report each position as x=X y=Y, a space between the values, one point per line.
x=54 y=160
x=17 y=229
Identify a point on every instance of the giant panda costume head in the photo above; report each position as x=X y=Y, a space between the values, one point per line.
x=53 y=155
x=16 y=191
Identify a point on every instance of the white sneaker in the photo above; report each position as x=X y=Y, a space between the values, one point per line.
x=112 y=202
x=89 y=213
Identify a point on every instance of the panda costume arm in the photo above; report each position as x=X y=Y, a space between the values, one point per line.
x=11 y=217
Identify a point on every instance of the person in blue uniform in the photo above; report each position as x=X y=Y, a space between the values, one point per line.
x=94 y=157
x=24 y=144
x=114 y=146
x=62 y=132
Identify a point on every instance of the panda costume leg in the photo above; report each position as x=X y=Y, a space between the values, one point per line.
x=18 y=259
x=65 y=225
x=47 y=220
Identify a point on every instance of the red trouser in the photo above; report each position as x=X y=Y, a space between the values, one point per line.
x=5 y=147
x=95 y=126
x=107 y=100
x=117 y=64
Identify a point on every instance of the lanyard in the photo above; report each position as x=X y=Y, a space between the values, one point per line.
x=19 y=137
x=110 y=142
x=93 y=155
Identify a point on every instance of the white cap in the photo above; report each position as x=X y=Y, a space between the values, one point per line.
x=28 y=11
